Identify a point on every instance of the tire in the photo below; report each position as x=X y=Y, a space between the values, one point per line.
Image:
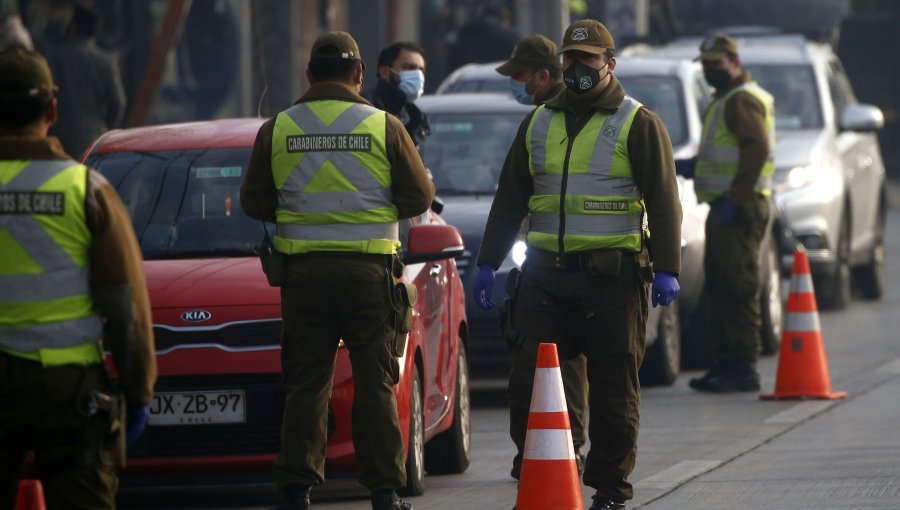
x=663 y=359
x=770 y=301
x=450 y=451
x=833 y=286
x=870 y=277
x=415 y=458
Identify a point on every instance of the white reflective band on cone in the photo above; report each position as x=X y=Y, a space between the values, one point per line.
x=801 y=283
x=802 y=322
x=548 y=395
x=549 y=444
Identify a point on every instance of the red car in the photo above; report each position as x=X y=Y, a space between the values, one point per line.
x=218 y=401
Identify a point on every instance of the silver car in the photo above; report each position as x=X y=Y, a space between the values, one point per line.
x=830 y=178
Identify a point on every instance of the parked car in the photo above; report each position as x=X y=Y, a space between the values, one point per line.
x=830 y=178
x=475 y=78
x=218 y=400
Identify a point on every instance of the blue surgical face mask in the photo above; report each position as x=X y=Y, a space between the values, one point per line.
x=412 y=83
x=517 y=88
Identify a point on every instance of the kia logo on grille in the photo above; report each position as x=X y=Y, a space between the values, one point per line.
x=196 y=316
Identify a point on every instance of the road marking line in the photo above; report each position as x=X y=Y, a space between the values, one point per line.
x=799 y=412
x=892 y=367
x=674 y=476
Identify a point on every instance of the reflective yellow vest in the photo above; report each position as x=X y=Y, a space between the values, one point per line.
x=585 y=197
x=717 y=158
x=333 y=179
x=46 y=310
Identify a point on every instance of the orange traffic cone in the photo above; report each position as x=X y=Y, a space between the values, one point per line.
x=549 y=479
x=30 y=496
x=802 y=367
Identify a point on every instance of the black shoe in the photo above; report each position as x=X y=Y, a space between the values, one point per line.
x=296 y=497
x=516 y=471
x=604 y=503
x=736 y=378
x=388 y=500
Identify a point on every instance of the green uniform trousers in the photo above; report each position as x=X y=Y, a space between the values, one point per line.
x=603 y=317
x=731 y=262
x=326 y=298
x=42 y=409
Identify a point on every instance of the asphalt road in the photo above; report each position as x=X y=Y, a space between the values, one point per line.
x=696 y=451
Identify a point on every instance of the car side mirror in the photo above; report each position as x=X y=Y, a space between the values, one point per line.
x=861 y=117
x=433 y=242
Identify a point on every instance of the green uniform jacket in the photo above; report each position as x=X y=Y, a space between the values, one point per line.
x=653 y=167
x=412 y=190
x=118 y=287
x=745 y=117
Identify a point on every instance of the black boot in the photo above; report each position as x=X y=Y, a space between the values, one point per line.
x=604 y=503
x=737 y=377
x=516 y=467
x=388 y=500
x=296 y=497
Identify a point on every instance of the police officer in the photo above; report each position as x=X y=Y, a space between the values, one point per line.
x=336 y=174
x=588 y=166
x=734 y=173
x=535 y=76
x=71 y=277
x=401 y=80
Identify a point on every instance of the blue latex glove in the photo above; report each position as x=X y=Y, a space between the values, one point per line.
x=484 y=287
x=665 y=288
x=729 y=213
x=135 y=421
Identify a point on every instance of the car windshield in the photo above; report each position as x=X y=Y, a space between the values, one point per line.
x=184 y=203
x=796 y=96
x=663 y=95
x=465 y=152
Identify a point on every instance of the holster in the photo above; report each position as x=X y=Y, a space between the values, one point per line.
x=645 y=266
x=404 y=299
x=514 y=338
x=272 y=264
x=110 y=407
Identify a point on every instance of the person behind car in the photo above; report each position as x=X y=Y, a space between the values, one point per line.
x=535 y=76
x=401 y=80
x=72 y=278
x=588 y=165
x=734 y=174
x=335 y=175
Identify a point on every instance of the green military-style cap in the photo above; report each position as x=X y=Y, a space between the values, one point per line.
x=587 y=35
x=717 y=46
x=335 y=45
x=24 y=73
x=530 y=52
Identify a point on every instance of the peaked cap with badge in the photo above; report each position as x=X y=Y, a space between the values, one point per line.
x=588 y=35
x=717 y=46
x=530 y=52
x=335 y=45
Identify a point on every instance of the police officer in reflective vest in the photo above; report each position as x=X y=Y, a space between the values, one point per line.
x=71 y=277
x=336 y=174
x=590 y=166
x=734 y=175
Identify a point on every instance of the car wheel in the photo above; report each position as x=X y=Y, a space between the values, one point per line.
x=870 y=278
x=771 y=306
x=415 y=457
x=449 y=451
x=663 y=359
x=833 y=290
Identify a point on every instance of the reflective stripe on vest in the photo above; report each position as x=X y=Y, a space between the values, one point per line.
x=718 y=156
x=333 y=179
x=602 y=207
x=46 y=301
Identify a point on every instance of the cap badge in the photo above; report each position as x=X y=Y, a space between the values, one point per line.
x=579 y=34
x=585 y=83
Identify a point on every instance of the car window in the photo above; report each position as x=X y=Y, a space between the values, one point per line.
x=663 y=94
x=702 y=93
x=839 y=86
x=797 y=102
x=465 y=152
x=184 y=203
x=462 y=86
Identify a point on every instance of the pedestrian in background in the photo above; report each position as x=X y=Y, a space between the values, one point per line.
x=486 y=38
x=734 y=175
x=401 y=80
x=588 y=165
x=535 y=76
x=72 y=279
x=339 y=262
x=92 y=99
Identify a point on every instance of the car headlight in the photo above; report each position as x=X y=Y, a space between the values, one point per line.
x=793 y=178
x=518 y=253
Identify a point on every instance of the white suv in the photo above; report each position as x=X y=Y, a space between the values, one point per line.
x=830 y=178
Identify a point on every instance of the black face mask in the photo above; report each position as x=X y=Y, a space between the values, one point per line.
x=717 y=78
x=581 y=78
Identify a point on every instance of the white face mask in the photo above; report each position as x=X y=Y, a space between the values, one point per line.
x=412 y=83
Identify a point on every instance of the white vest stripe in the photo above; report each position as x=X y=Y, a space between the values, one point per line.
x=340 y=201
x=346 y=232
x=54 y=335
x=586 y=224
x=600 y=185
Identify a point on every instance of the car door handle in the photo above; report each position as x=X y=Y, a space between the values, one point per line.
x=435 y=270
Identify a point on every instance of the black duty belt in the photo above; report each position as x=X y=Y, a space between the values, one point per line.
x=562 y=261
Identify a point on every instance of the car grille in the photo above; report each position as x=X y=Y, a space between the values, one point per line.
x=245 y=334
x=463 y=262
x=260 y=434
